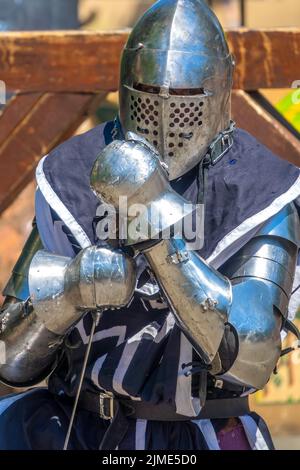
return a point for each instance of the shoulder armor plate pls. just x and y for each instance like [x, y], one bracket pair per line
[285, 225]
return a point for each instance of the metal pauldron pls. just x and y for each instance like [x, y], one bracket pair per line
[262, 275]
[61, 291]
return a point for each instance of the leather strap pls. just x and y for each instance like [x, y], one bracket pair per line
[121, 411]
[105, 406]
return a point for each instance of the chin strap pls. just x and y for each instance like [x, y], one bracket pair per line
[217, 149]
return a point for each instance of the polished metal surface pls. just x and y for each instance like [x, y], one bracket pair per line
[266, 248]
[271, 256]
[176, 77]
[262, 275]
[96, 278]
[284, 225]
[198, 295]
[30, 349]
[258, 326]
[131, 169]
[17, 285]
[62, 290]
[265, 269]
[255, 299]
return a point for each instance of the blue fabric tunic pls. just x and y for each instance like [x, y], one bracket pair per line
[139, 352]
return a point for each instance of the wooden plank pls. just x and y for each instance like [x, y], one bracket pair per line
[15, 111]
[265, 58]
[89, 61]
[60, 61]
[49, 122]
[254, 119]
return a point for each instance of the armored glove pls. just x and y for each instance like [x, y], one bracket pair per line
[61, 291]
[198, 296]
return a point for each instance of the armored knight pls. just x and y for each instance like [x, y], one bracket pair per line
[178, 337]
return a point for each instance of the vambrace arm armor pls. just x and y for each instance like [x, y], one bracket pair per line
[251, 295]
[54, 294]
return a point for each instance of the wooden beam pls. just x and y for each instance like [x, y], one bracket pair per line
[60, 61]
[254, 119]
[49, 121]
[265, 58]
[88, 61]
[15, 111]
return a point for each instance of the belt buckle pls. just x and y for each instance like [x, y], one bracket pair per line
[106, 406]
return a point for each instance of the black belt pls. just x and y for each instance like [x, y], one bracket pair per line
[104, 405]
[119, 410]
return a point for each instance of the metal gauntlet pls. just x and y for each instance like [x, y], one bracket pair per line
[61, 291]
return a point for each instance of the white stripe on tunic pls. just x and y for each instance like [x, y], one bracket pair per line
[140, 434]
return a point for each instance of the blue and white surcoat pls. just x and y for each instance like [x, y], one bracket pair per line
[139, 352]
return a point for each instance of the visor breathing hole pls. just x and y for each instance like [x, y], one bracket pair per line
[142, 131]
[144, 112]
